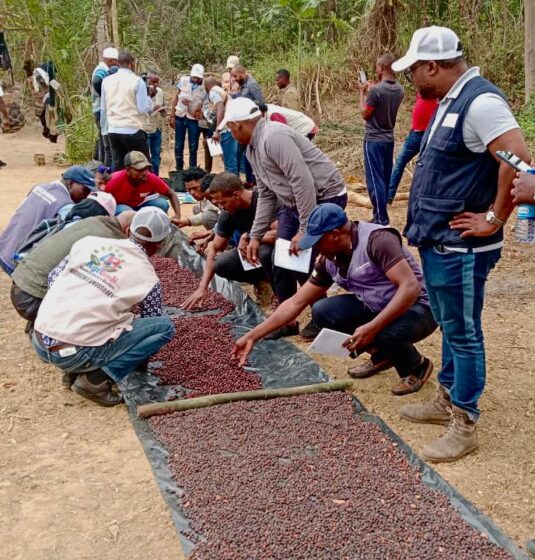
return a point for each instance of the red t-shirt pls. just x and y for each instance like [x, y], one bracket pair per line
[134, 194]
[422, 112]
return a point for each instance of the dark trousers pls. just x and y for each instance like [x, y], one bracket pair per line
[102, 145]
[395, 342]
[184, 125]
[287, 226]
[155, 147]
[378, 158]
[208, 160]
[411, 148]
[228, 265]
[24, 303]
[244, 165]
[122, 144]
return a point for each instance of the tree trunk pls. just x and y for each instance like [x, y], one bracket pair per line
[529, 48]
[102, 31]
[112, 6]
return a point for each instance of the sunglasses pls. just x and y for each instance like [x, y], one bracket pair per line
[410, 71]
[103, 169]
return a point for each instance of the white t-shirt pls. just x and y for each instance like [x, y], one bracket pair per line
[298, 121]
[479, 128]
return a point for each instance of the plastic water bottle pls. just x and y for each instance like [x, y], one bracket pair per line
[525, 223]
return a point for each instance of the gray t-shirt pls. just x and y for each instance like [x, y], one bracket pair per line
[385, 97]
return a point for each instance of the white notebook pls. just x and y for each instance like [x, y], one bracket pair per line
[330, 342]
[299, 263]
[214, 148]
[246, 264]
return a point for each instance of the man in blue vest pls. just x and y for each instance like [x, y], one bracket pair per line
[459, 202]
[386, 310]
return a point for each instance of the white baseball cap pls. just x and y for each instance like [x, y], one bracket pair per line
[232, 61]
[110, 52]
[155, 220]
[239, 109]
[197, 71]
[430, 43]
[106, 200]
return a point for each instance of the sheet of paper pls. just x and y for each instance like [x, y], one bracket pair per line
[215, 148]
[299, 263]
[330, 342]
[247, 265]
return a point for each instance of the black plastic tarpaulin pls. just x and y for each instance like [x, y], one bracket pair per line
[280, 364]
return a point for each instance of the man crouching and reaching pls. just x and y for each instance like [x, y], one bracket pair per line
[386, 310]
[86, 326]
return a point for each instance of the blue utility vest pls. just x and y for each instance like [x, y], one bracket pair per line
[449, 178]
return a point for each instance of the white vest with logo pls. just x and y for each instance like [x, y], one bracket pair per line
[90, 302]
[121, 104]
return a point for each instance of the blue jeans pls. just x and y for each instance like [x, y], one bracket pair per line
[155, 148]
[285, 281]
[191, 126]
[119, 357]
[230, 149]
[161, 202]
[378, 158]
[243, 163]
[410, 148]
[395, 342]
[456, 286]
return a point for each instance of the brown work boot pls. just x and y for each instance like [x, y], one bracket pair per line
[458, 441]
[100, 392]
[430, 412]
[368, 368]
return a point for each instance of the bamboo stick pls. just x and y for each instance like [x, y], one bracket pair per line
[152, 409]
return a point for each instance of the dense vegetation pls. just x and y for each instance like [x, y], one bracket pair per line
[328, 40]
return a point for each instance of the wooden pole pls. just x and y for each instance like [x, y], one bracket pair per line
[529, 47]
[114, 23]
[153, 409]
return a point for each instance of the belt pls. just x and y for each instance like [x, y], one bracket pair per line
[445, 249]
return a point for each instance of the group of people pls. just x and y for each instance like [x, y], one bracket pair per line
[81, 285]
[130, 112]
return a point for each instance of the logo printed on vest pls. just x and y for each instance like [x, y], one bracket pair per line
[103, 263]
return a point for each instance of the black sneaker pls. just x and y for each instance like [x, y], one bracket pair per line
[287, 330]
[100, 393]
[310, 331]
[67, 379]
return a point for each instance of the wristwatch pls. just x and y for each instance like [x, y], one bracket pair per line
[492, 219]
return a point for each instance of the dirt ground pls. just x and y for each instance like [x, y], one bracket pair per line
[75, 483]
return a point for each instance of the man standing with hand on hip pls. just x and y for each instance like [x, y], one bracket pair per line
[459, 202]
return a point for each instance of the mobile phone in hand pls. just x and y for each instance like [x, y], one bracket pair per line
[362, 77]
[514, 161]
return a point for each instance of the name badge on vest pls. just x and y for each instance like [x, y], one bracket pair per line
[450, 120]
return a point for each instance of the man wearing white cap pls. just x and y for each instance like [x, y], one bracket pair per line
[182, 121]
[290, 169]
[101, 71]
[460, 200]
[127, 103]
[86, 325]
[228, 84]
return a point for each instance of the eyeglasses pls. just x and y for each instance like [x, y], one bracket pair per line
[410, 71]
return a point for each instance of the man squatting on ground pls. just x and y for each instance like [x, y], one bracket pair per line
[44, 202]
[288, 168]
[85, 324]
[386, 310]
[136, 187]
[456, 181]
[30, 278]
[238, 208]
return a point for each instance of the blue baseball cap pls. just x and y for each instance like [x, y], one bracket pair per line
[323, 219]
[80, 175]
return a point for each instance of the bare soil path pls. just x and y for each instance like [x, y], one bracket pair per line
[74, 480]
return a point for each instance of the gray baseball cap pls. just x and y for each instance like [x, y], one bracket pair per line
[155, 220]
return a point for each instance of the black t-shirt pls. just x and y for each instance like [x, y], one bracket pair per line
[241, 221]
[385, 97]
